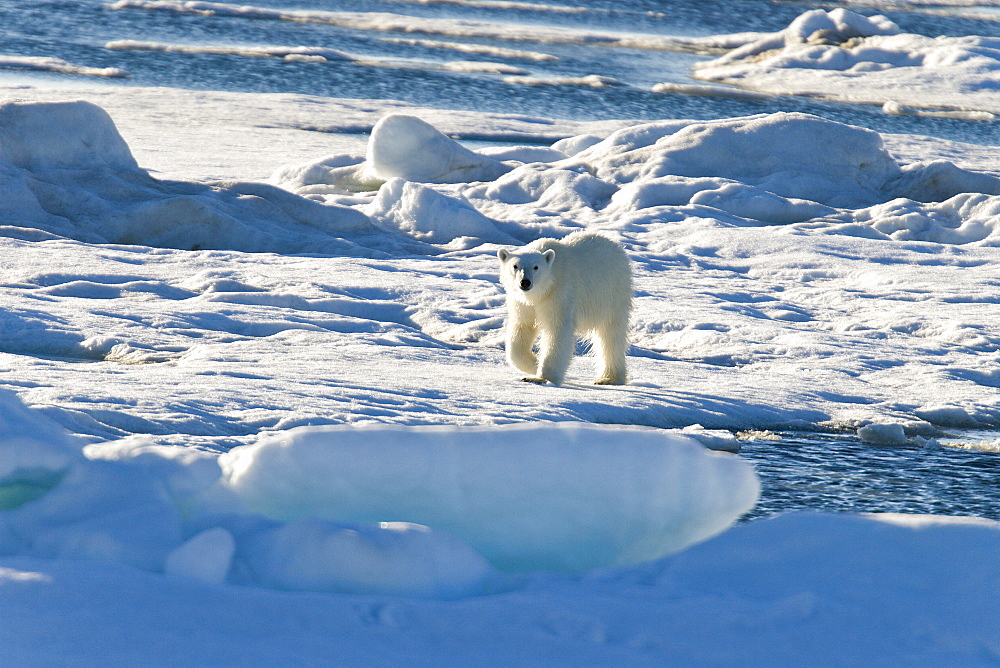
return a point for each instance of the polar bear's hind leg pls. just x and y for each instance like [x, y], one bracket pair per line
[611, 344]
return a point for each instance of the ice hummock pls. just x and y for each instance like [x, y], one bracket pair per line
[431, 188]
[560, 496]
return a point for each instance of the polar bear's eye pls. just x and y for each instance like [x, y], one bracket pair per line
[536, 267]
[516, 267]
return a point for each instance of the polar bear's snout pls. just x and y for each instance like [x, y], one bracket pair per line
[525, 284]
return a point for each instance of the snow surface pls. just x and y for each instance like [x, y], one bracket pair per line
[153, 320]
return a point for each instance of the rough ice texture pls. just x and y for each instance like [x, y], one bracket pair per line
[547, 496]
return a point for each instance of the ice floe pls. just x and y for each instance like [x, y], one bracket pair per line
[670, 190]
[546, 496]
[789, 272]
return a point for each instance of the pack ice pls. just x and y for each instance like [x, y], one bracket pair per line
[411, 509]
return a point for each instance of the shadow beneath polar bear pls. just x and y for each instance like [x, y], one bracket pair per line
[650, 405]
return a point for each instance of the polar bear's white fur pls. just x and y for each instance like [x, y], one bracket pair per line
[558, 289]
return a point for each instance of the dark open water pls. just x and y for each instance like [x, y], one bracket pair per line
[78, 30]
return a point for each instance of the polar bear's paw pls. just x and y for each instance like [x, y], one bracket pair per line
[608, 380]
[537, 380]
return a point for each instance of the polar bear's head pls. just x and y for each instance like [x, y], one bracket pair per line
[526, 274]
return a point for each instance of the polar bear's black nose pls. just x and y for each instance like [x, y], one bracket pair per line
[525, 284]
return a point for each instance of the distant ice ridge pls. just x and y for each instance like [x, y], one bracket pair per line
[846, 56]
[313, 54]
[426, 511]
[483, 49]
[248, 51]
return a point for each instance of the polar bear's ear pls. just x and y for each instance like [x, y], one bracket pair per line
[549, 255]
[502, 254]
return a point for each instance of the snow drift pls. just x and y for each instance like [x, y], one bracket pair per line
[77, 179]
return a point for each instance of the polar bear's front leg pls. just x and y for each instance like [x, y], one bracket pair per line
[558, 346]
[521, 338]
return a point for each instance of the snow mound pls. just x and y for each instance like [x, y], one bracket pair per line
[409, 148]
[786, 171]
[786, 154]
[75, 135]
[400, 146]
[152, 508]
[66, 172]
[425, 214]
[550, 496]
[427, 512]
[550, 187]
[726, 195]
[962, 219]
[768, 169]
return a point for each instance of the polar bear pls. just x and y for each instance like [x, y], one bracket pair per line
[558, 289]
